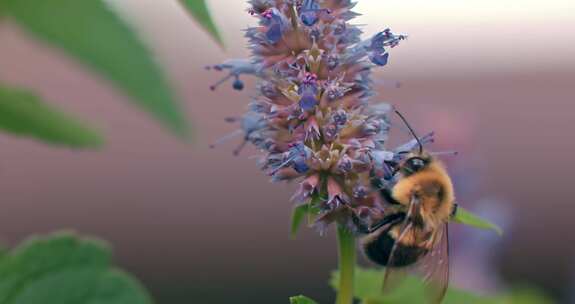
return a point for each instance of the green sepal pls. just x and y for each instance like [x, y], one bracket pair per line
[301, 212]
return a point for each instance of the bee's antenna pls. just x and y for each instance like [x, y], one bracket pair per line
[410, 130]
[450, 153]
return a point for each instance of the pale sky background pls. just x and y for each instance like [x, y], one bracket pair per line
[501, 35]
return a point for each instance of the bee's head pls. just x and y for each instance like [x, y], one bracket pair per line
[415, 162]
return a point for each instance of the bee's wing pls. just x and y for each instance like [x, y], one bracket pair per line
[434, 266]
[393, 276]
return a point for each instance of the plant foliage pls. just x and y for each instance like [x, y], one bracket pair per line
[24, 114]
[65, 269]
[92, 33]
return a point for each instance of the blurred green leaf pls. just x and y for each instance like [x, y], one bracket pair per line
[368, 288]
[525, 295]
[65, 269]
[91, 32]
[465, 217]
[299, 214]
[301, 300]
[24, 114]
[367, 284]
[200, 12]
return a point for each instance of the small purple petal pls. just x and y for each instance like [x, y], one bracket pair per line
[309, 12]
[332, 61]
[309, 18]
[340, 117]
[359, 191]
[379, 59]
[308, 92]
[274, 33]
[300, 166]
[308, 102]
[339, 28]
[344, 165]
[330, 132]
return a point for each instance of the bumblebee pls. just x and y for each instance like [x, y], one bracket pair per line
[413, 233]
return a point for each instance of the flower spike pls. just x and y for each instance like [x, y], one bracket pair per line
[311, 117]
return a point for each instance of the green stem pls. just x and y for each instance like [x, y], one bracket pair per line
[346, 247]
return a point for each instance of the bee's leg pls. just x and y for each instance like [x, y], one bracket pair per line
[454, 210]
[363, 228]
[383, 191]
[391, 219]
[386, 194]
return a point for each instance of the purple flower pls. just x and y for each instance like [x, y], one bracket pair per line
[379, 58]
[308, 92]
[309, 12]
[339, 118]
[376, 51]
[274, 22]
[311, 117]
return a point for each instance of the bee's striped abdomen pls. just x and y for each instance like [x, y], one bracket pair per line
[378, 249]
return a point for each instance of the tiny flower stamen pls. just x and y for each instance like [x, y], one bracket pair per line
[236, 68]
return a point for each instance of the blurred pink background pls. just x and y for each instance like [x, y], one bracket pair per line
[495, 79]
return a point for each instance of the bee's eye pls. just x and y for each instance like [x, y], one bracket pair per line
[416, 164]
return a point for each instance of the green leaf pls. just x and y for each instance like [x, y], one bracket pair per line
[368, 288]
[465, 217]
[301, 300]
[24, 114]
[200, 12]
[65, 269]
[525, 295]
[92, 33]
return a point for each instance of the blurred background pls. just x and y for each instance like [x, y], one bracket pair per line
[494, 78]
